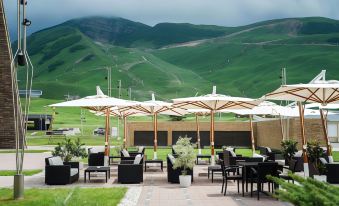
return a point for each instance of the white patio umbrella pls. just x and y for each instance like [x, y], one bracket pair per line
[215, 102]
[264, 108]
[98, 102]
[323, 92]
[154, 107]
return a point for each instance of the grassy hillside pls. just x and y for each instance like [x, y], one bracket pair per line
[177, 60]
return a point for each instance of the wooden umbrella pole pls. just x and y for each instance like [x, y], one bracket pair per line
[282, 128]
[323, 120]
[155, 134]
[212, 133]
[252, 134]
[125, 131]
[107, 132]
[302, 129]
[198, 131]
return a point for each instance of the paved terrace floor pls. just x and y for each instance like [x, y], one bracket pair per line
[155, 190]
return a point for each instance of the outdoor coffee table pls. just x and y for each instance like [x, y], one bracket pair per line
[90, 169]
[154, 161]
[200, 156]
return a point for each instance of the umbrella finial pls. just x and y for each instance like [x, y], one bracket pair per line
[214, 90]
[99, 92]
[153, 97]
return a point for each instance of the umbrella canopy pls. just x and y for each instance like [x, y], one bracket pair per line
[264, 108]
[215, 102]
[323, 92]
[99, 102]
[154, 107]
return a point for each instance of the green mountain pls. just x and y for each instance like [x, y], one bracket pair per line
[177, 60]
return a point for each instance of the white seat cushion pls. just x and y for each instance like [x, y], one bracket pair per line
[171, 158]
[97, 149]
[137, 159]
[230, 149]
[74, 171]
[125, 153]
[55, 161]
[258, 155]
[330, 159]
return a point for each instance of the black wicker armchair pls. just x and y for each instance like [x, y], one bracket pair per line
[173, 174]
[131, 172]
[95, 158]
[60, 173]
[331, 171]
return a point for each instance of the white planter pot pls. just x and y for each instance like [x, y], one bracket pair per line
[321, 178]
[185, 180]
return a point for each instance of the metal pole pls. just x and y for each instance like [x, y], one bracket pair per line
[323, 120]
[212, 137]
[107, 136]
[198, 132]
[252, 134]
[125, 131]
[303, 138]
[155, 121]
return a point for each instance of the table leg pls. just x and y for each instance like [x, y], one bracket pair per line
[89, 176]
[85, 175]
[106, 176]
[212, 175]
[145, 166]
[161, 166]
[208, 173]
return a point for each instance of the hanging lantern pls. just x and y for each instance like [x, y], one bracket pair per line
[21, 58]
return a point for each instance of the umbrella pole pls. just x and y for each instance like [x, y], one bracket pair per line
[212, 137]
[282, 128]
[106, 137]
[323, 120]
[155, 121]
[125, 131]
[198, 132]
[303, 139]
[252, 134]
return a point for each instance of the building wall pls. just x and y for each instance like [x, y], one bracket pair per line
[7, 133]
[266, 133]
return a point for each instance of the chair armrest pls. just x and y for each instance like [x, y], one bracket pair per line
[133, 154]
[253, 171]
[127, 158]
[72, 164]
[239, 155]
[59, 169]
[124, 162]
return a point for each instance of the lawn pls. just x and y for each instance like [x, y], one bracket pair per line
[74, 196]
[336, 156]
[25, 172]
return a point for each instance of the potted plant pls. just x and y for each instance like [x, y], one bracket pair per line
[289, 148]
[314, 152]
[185, 159]
[69, 150]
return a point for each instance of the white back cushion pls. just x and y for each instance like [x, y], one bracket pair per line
[140, 149]
[137, 159]
[171, 158]
[330, 159]
[322, 160]
[268, 149]
[97, 149]
[258, 155]
[230, 149]
[298, 154]
[233, 154]
[125, 153]
[55, 161]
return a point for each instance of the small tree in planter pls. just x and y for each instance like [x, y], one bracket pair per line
[68, 150]
[185, 160]
[314, 152]
[289, 148]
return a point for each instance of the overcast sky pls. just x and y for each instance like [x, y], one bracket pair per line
[45, 13]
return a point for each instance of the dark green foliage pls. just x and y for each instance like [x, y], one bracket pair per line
[319, 28]
[55, 65]
[76, 48]
[69, 149]
[314, 152]
[289, 148]
[59, 45]
[334, 40]
[310, 192]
